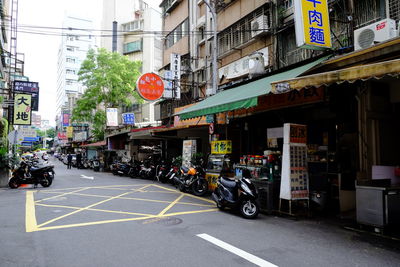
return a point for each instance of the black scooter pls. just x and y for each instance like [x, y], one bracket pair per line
[237, 194]
[27, 174]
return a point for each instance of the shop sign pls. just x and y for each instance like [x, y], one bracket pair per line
[219, 119]
[294, 178]
[62, 136]
[70, 132]
[128, 118]
[31, 88]
[311, 19]
[112, 116]
[289, 99]
[295, 133]
[189, 149]
[65, 119]
[150, 86]
[240, 67]
[210, 118]
[172, 88]
[80, 136]
[221, 147]
[22, 109]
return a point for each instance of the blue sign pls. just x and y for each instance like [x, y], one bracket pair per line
[128, 118]
[30, 139]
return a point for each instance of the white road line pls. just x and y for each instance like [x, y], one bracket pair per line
[241, 253]
[87, 177]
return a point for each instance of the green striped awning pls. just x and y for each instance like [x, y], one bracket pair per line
[242, 96]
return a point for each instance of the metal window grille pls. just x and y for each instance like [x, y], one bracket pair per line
[240, 32]
[394, 9]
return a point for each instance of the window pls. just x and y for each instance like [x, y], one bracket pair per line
[133, 26]
[240, 32]
[69, 71]
[70, 60]
[133, 47]
[70, 48]
[69, 82]
[178, 33]
[287, 4]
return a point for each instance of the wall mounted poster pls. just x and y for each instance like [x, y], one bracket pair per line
[294, 180]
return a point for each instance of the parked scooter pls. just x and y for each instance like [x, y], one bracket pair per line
[162, 170]
[134, 169]
[147, 169]
[27, 174]
[192, 180]
[96, 165]
[237, 194]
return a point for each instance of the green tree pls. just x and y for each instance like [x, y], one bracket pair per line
[110, 80]
[50, 133]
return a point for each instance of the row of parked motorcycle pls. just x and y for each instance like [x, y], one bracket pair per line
[186, 179]
[239, 194]
[32, 170]
[85, 163]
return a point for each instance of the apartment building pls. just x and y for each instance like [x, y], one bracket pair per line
[138, 37]
[77, 39]
[177, 36]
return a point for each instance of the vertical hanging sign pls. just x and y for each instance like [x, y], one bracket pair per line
[312, 24]
[22, 109]
[176, 75]
[112, 116]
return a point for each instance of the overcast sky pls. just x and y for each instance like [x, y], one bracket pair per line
[41, 50]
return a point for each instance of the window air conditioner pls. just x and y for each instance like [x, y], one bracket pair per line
[259, 26]
[374, 33]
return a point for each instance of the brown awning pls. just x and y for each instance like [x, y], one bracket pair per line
[100, 143]
[362, 72]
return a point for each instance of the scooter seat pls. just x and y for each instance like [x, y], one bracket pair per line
[227, 182]
[185, 169]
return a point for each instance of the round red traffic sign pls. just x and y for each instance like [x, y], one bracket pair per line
[150, 86]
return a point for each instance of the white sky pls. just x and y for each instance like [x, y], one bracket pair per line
[41, 51]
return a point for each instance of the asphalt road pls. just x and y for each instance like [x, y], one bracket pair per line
[97, 219]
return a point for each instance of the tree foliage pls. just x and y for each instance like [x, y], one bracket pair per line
[110, 80]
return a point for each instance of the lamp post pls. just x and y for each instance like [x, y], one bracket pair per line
[214, 53]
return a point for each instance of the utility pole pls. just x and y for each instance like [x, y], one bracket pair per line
[214, 55]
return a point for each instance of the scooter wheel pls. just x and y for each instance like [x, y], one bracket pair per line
[13, 183]
[249, 209]
[46, 182]
[200, 187]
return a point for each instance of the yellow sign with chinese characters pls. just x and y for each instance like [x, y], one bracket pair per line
[312, 24]
[22, 109]
[221, 147]
[70, 132]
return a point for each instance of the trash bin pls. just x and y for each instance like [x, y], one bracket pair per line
[319, 199]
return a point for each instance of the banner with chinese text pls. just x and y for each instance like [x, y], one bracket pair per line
[22, 109]
[312, 24]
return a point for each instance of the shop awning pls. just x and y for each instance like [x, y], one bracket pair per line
[242, 96]
[362, 72]
[101, 143]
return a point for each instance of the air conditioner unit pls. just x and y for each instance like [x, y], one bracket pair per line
[374, 33]
[259, 26]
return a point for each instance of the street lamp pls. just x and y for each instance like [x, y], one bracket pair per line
[214, 53]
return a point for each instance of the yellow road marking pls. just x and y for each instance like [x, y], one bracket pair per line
[140, 199]
[31, 223]
[109, 211]
[93, 223]
[64, 194]
[99, 187]
[171, 205]
[121, 220]
[30, 214]
[188, 212]
[87, 207]
[188, 195]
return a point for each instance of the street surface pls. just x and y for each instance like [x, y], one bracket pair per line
[88, 218]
